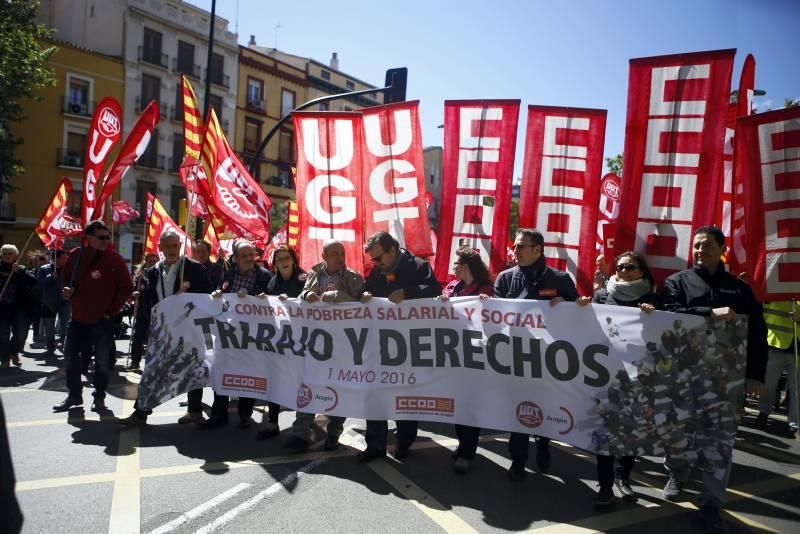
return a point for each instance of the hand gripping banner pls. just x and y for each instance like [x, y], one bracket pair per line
[674, 135]
[606, 379]
[104, 133]
[561, 186]
[480, 139]
[768, 157]
[329, 186]
[394, 176]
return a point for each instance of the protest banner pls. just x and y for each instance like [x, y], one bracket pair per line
[607, 379]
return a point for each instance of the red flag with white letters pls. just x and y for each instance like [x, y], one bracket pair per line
[560, 186]
[56, 224]
[480, 139]
[394, 176]
[122, 212]
[329, 186]
[103, 135]
[768, 154]
[608, 211]
[674, 135]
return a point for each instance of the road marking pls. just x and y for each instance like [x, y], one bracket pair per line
[200, 510]
[75, 420]
[63, 482]
[752, 523]
[258, 497]
[126, 501]
[24, 390]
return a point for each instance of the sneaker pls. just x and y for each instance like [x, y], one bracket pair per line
[673, 489]
[711, 520]
[624, 488]
[761, 420]
[603, 498]
[68, 403]
[367, 455]
[331, 443]
[190, 417]
[461, 466]
[270, 431]
[516, 472]
[133, 420]
[543, 456]
[401, 452]
[297, 444]
[15, 360]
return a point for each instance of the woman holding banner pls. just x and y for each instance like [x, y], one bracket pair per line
[633, 285]
[472, 279]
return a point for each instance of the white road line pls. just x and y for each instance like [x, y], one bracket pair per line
[258, 497]
[126, 503]
[200, 510]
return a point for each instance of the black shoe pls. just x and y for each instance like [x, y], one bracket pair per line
[367, 455]
[68, 403]
[543, 456]
[246, 422]
[673, 489]
[624, 488]
[711, 520]
[401, 451]
[211, 422]
[603, 498]
[297, 444]
[331, 443]
[516, 472]
[135, 419]
[134, 366]
[268, 433]
[99, 405]
[761, 420]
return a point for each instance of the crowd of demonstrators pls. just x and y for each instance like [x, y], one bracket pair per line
[202, 253]
[19, 287]
[782, 337]
[472, 278]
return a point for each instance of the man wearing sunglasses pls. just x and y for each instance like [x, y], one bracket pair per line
[531, 278]
[97, 283]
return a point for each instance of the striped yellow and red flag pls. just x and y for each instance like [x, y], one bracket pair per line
[192, 121]
[293, 225]
[160, 222]
[56, 224]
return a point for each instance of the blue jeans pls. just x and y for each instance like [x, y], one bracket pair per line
[713, 488]
[778, 361]
[64, 314]
[80, 339]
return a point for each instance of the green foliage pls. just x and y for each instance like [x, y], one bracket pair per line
[277, 216]
[22, 72]
[615, 164]
[791, 102]
[514, 217]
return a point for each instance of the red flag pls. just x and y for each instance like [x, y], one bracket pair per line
[279, 239]
[563, 162]
[194, 180]
[104, 133]
[55, 224]
[210, 237]
[673, 154]
[133, 147]
[329, 192]
[148, 209]
[160, 222]
[768, 154]
[122, 212]
[394, 175]
[608, 211]
[478, 163]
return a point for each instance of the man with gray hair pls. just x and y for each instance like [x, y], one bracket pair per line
[331, 282]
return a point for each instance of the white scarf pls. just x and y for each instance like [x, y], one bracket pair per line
[619, 290]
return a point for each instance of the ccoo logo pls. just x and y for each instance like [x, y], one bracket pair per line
[529, 414]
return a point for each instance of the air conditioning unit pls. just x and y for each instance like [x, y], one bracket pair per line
[75, 108]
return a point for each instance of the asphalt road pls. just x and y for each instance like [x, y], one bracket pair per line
[78, 473]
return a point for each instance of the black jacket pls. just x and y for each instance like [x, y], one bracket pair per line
[263, 277]
[601, 295]
[546, 284]
[292, 287]
[193, 272]
[413, 275]
[695, 291]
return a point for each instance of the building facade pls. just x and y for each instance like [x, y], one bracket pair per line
[54, 136]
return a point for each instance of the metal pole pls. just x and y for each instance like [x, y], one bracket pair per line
[796, 377]
[208, 61]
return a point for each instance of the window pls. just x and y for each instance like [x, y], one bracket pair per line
[78, 96]
[178, 116]
[350, 85]
[286, 147]
[74, 203]
[75, 151]
[252, 135]
[347, 108]
[177, 152]
[324, 106]
[150, 156]
[142, 188]
[217, 67]
[177, 197]
[255, 91]
[186, 59]
[287, 102]
[151, 90]
[216, 103]
[151, 47]
[325, 75]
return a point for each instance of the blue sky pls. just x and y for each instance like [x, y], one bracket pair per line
[563, 53]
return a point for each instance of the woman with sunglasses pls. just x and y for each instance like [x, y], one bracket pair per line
[472, 279]
[287, 282]
[633, 285]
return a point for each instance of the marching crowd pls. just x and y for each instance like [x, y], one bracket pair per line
[74, 300]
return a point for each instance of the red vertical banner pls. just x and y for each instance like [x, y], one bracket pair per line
[104, 133]
[608, 211]
[480, 139]
[674, 135]
[329, 192]
[561, 186]
[768, 154]
[394, 174]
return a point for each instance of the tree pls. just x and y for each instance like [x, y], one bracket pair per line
[791, 102]
[23, 71]
[614, 164]
[514, 217]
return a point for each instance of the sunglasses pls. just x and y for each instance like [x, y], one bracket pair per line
[102, 237]
[628, 267]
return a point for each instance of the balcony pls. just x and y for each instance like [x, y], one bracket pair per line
[151, 160]
[175, 164]
[186, 67]
[223, 80]
[67, 157]
[79, 109]
[141, 104]
[255, 105]
[152, 57]
[8, 210]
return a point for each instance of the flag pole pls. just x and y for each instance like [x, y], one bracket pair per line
[189, 204]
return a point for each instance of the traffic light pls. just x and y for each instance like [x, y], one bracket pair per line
[396, 78]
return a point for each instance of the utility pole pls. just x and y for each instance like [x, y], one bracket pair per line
[198, 226]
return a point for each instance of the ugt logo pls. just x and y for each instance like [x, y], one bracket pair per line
[529, 414]
[304, 396]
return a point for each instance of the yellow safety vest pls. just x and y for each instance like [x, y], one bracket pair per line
[780, 330]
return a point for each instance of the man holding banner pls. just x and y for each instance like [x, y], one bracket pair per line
[531, 278]
[397, 275]
[707, 289]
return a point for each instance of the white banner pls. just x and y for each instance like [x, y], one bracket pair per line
[602, 378]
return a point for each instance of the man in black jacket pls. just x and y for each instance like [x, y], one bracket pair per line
[397, 275]
[173, 275]
[531, 278]
[708, 290]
